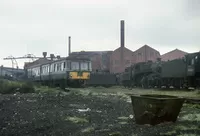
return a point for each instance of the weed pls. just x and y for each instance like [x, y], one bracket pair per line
[76, 120]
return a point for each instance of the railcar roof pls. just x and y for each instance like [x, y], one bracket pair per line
[61, 59]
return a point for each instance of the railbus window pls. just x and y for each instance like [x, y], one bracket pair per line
[74, 65]
[68, 65]
[84, 66]
[64, 65]
[54, 68]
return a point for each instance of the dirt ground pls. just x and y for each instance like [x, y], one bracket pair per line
[73, 114]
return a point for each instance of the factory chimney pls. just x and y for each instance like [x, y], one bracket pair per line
[44, 54]
[122, 33]
[69, 50]
[122, 42]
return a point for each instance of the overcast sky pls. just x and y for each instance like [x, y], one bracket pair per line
[34, 26]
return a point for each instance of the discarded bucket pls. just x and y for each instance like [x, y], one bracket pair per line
[156, 109]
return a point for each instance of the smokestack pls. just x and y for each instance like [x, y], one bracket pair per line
[52, 56]
[122, 33]
[44, 54]
[69, 50]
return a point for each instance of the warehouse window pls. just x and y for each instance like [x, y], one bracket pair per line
[127, 61]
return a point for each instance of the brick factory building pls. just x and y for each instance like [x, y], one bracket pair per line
[145, 53]
[116, 61]
[120, 59]
[100, 59]
[174, 54]
[123, 57]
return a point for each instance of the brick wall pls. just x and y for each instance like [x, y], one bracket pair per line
[145, 54]
[117, 63]
[96, 62]
[175, 54]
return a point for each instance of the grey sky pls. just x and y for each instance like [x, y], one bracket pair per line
[35, 26]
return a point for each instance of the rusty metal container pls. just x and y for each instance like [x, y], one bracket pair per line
[156, 109]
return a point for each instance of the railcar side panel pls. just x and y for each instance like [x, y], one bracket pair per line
[102, 79]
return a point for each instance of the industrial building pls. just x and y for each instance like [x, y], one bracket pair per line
[174, 54]
[100, 59]
[11, 72]
[116, 61]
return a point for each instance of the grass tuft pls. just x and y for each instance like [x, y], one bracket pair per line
[76, 120]
[9, 87]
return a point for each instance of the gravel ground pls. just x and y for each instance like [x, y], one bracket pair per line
[84, 115]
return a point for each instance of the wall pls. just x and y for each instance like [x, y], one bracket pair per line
[145, 54]
[118, 66]
[175, 54]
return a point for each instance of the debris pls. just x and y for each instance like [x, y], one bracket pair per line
[84, 110]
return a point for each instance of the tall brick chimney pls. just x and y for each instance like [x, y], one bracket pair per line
[122, 42]
[122, 33]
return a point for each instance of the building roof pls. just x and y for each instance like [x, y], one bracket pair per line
[89, 52]
[175, 50]
[44, 61]
[122, 47]
[11, 69]
[147, 47]
[37, 62]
